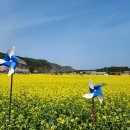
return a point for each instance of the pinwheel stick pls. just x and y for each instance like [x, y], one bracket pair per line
[10, 97]
[93, 122]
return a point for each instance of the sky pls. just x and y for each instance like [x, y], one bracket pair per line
[84, 34]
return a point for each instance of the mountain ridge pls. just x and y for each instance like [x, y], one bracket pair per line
[41, 66]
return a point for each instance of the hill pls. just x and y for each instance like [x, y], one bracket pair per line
[41, 66]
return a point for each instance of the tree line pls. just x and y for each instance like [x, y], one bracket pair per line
[114, 69]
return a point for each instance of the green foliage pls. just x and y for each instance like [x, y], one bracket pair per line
[33, 113]
[39, 65]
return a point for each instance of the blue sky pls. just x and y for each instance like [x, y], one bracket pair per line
[85, 34]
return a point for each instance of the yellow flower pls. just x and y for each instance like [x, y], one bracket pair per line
[51, 95]
[53, 127]
[42, 122]
[76, 118]
[90, 124]
[124, 114]
[117, 117]
[7, 120]
[62, 121]
[104, 117]
[1, 102]
[72, 120]
[99, 118]
[21, 116]
[62, 105]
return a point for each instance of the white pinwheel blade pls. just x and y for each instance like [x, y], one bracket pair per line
[11, 71]
[89, 95]
[21, 62]
[11, 52]
[2, 61]
[91, 84]
[100, 97]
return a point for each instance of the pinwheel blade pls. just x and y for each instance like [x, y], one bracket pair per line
[12, 68]
[91, 87]
[97, 92]
[18, 60]
[90, 95]
[97, 86]
[11, 52]
[100, 97]
[22, 62]
[11, 71]
[91, 84]
[2, 61]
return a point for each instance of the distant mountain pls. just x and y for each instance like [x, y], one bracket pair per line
[40, 66]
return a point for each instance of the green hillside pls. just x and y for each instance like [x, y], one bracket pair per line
[41, 66]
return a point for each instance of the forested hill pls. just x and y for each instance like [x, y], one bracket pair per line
[114, 69]
[41, 66]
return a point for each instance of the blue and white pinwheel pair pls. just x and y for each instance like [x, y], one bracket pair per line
[95, 91]
[11, 61]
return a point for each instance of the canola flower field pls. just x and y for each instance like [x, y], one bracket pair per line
[55, 102]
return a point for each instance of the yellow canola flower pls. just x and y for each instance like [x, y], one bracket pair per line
[72, 120]
[42, 122]
[62, 121]
[1, 102]
[63, 86]
[104, 117]
[90, 124]
[61, 96]
[117, 117]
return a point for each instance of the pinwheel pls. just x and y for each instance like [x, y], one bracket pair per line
[95, 91]
[11, 61]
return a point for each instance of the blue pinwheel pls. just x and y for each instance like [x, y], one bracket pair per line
[95, 91]
[11, 61]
